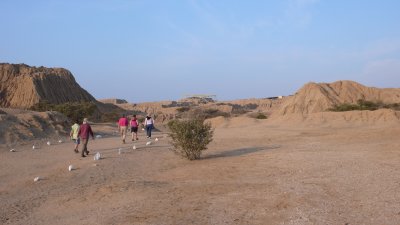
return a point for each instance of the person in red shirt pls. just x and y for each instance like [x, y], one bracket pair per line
[85, 132]
[122, 127]
[134, 128]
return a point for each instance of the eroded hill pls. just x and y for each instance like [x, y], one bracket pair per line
[319, 97]
[22, 86]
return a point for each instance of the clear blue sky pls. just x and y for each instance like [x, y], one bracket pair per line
[144, 50]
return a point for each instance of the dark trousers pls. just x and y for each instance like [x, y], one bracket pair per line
[148, 129]
[84, 146]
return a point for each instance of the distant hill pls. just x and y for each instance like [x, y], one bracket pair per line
[319, 97]
[22, 86]
[113, 101]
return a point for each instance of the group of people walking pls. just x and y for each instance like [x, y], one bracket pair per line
[134, 126]
[82, 133]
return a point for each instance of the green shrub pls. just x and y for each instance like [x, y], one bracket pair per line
[261, 116]
[368, 105]
[345, 107]
[190, 137]
[258, 115]
[394, 106]
[212, 113]
[202, 113]
[72, 110]
[364, 105]
[183, 109]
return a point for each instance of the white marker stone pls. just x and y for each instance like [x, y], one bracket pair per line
[97, 156]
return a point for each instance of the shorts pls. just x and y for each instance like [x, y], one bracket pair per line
[134, 129]
[77, 141]
[123, 129]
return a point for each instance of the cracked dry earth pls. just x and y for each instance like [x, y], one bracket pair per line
[256, 174]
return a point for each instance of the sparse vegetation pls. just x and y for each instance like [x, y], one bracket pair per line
[110, 116]
[202, 113]
[364, 105]
[190, 137]
[72, 110]
[258, 115]
[183, 109]
[261, 116]
[212, 113]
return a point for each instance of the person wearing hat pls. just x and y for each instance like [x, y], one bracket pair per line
[85, 132]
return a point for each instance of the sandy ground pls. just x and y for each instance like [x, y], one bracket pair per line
[255, 174]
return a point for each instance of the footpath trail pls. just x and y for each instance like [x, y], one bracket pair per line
[255, 174]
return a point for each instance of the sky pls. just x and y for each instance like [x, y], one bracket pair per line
[152, 50]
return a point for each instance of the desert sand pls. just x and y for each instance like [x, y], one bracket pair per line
[254, 172]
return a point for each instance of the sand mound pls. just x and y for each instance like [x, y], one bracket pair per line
[381, 117]
[164, 111]
[20, 126]
[319, 97]
[22, 86]
[231, 122]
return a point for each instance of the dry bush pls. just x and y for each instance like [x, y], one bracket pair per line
[259, 115]
[183, 109]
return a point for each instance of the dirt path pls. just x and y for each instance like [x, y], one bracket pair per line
[250, 175]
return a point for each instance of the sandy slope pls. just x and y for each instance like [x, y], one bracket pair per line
[20, 126]
[253, 173]
[319, 97]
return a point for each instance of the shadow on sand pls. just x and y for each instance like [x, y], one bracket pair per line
[240, 152]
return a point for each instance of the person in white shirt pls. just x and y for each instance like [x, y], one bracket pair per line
[149, 125]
